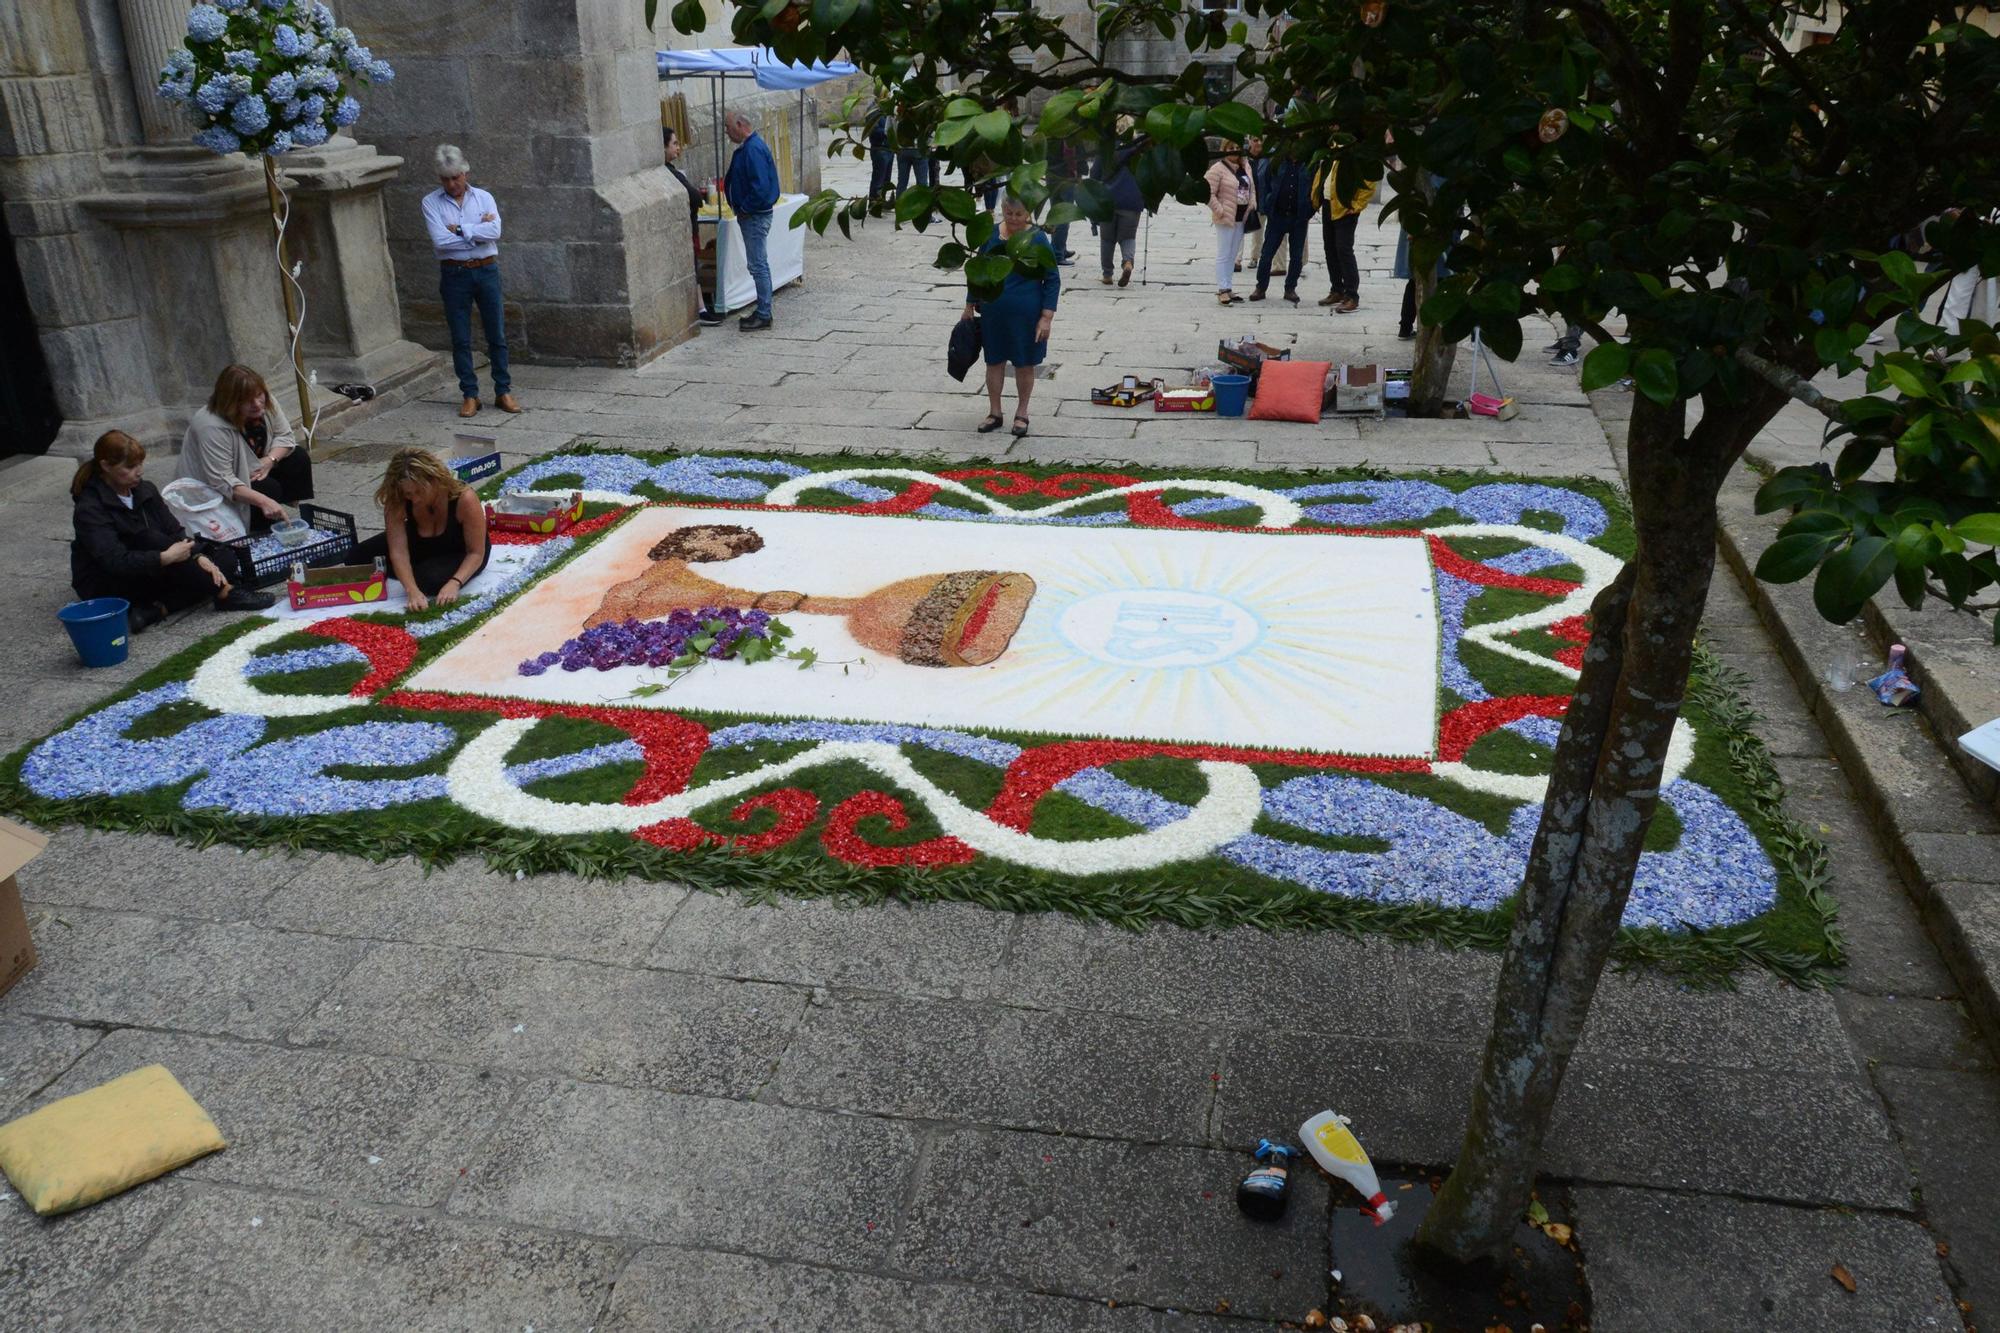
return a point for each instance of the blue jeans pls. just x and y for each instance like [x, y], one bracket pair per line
[756, 229]
[460, 289]
[1278, 231]
[908, 163]
[880, 160]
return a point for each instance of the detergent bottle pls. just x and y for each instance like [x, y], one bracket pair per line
[1262, 1193]
[1340, 1154]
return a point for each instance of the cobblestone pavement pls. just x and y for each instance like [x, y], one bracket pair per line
[465, 1101]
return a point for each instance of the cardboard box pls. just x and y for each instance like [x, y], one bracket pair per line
[547, 523]
[338, 585]
[18, 846]
[474, 457]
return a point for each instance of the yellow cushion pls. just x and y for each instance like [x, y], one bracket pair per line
[75, 1152]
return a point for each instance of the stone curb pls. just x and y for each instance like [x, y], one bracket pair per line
[1943, 839]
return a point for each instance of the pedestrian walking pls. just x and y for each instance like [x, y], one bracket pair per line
[464, 225]
[751, 183]
[1231, 196]
[1015, 325]
[1121, 233]
[1340, 200]
[697, 196]
[1288, 216]
[880, 157]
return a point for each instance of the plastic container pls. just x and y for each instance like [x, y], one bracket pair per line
[291, 533]
[99, 628]
[1232, 394]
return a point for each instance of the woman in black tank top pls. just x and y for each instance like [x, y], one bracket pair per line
[434, 540]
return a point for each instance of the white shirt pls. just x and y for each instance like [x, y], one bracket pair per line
[474, 239]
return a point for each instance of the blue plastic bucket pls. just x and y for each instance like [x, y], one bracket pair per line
[98, 629]
[1232, 392]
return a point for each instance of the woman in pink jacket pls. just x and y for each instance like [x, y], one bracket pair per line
[1231, 195]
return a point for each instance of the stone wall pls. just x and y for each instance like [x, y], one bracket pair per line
[147, 262]
[556, 104]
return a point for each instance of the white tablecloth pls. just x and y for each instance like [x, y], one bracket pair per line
[786, 251]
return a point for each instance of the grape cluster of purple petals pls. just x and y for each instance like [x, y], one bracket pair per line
[653, 643]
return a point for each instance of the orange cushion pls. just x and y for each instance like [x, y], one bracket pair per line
[1290, 390]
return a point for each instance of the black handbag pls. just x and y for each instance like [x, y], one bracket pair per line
[967, 341]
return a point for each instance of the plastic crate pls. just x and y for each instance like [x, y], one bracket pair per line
[258, 561]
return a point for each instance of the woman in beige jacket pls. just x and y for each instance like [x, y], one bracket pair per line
[1231, 195]
[241, 446]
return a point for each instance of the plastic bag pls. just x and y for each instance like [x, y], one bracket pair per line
[202, 511]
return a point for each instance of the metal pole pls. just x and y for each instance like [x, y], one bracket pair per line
[1145, 246]
[279, 213]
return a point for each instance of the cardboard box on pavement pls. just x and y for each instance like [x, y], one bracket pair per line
[18, 846]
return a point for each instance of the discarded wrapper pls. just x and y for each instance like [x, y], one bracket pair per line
[1339, 1153]
[1262, 1194]
[1894, 686]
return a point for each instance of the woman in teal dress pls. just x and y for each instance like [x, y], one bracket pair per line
[1014, 326]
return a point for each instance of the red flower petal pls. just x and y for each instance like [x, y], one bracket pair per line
[389, 649]
[842, 840]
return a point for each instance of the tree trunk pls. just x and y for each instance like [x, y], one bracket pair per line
[1603, 790]
[1430, 370]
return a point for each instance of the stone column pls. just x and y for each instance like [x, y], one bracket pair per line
[152, 29]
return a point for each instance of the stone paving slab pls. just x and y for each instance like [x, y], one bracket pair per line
[1129, 1222]
[34, 1052]
[1949, 1122]
[561, 916]
[627, 1026]
[1664, 1262]
[908, 949]
[353, 1127]
[52, 1268]
[240, 1260]
[236, 980]
[123, 872]
[1071, 1073]
[666, 1290]
[696, 1171]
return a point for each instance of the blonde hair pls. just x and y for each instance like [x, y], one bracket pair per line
[114, 448]
[235, 389]
[419, 466]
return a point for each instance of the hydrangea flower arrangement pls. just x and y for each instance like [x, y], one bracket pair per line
[263, 77]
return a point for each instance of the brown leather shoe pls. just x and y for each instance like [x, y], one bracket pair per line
[505, 402]
[469, 408]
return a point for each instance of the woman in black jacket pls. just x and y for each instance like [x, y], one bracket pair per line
[697, 196]
[128, 543]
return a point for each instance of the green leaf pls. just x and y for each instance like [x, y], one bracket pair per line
[805, 657]
[988, 270]
[652, 13]
[1563, 278]
[992, 127]
[1831, 347]
[1789, 559]
[1537, 1214]
[1234, 119]
[958, 205]
[1980, 529]
[1851, 577]
[914, 203]
[1654, 374]
[1606, 364]
[1817, 521]
[1905, 380]
[951, 256]
[832, 15]
[1059, 116]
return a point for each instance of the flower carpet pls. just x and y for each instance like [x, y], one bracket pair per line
[1291, 700]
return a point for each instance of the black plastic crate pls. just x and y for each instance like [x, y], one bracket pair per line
[243, 564]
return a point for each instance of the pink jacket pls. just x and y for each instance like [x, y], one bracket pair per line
[1222, 192]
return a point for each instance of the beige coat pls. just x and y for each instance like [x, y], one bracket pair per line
[218, 455]
[1223, 193]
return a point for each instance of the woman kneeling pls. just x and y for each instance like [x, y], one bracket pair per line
[128, 544]
[433, 529]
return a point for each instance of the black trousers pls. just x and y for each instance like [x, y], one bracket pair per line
[1343, 273]
[432, 569]
[290, 479]
[172, 586]
[1409, 324]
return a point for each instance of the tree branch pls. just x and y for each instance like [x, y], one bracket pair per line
[1791, 383]
[1786, 60]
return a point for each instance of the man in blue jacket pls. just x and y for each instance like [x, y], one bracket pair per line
[751, 183]
[1284, 196]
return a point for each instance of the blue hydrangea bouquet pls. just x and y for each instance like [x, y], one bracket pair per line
[263, 77]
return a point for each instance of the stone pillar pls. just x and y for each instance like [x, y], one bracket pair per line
[556, 104]
[152, 29]
[149, 268]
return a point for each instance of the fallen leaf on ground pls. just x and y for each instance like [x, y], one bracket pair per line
[1537, 1214]
[1315, 1319]
[1843, 1277]
[1557, 1231]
